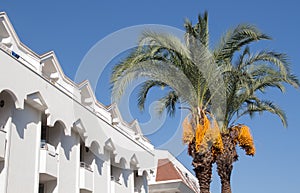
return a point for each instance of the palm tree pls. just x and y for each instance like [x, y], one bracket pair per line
[244, 77]
[168, 63]
[216, 91]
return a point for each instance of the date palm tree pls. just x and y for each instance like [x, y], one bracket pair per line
[215, 90]
[168, 62]
[246, 75]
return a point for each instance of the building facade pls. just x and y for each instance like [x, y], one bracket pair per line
[170, 176]
[55, 137]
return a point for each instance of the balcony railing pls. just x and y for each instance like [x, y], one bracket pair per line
[2, 144]
[48, 162]
[112, 184]
[44, 144]
[115, 180]
[86, 166]
[136, 190]
[86, 177]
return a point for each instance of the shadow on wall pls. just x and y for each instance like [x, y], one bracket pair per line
[67, 143]
[99, 158]
[56, 136]
[118, 171]
[22, 119]
[7, 106]
[1, 166]
[140, 182]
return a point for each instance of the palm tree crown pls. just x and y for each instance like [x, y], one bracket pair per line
[218, 86]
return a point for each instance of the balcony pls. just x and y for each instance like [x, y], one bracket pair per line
[112, 184]
[86, 177]
[2, 144]
[48, 162]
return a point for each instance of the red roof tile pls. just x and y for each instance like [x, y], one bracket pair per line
[166, 170]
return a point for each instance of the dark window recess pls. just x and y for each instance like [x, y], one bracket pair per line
[2, 103]
[44, 133]
[44, 129]
[15, 54]
[41, 188]
[82, 147]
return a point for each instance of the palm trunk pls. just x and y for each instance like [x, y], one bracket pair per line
[225, 162]
[224, 171]
[226, 187]
[204, 173]
[203, 168]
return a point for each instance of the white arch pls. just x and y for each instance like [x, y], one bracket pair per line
[17, 101]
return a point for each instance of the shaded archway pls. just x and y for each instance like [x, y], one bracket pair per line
[141, 181]
[7, 106]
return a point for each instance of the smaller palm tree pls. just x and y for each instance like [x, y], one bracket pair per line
[246, 78]
[249, 75]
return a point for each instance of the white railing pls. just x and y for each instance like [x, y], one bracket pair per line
[48, 147]
[5, 48]
[48, 162]
[86, 166]
[136, 190]
[115, 180]
[86, 177]
[2, 143]
[112, 184]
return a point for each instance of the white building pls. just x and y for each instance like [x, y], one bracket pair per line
[170, 176]
[55, 137]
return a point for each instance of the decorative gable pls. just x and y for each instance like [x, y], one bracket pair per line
[5, 35]
[50, 67]
[87, 95]
[135, 127]
[115, 114]
[36, 100]
[134, 161]
[11, 44]
[80, 129]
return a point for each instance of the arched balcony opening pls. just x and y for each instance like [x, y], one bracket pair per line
[50, 136]
[49, 154]
[86, 170]
[7, 106]
[140, 182]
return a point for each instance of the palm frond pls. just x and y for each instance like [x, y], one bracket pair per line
[157, 71]
[262, 106]
[273, 58]
[163, 40]
[233, 40]
[142, 95]
[168, 103]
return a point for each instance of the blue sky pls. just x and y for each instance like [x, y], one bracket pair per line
[72, 28]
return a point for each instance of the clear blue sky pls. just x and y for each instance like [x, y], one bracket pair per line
[71, 28]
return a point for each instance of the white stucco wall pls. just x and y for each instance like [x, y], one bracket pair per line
[24, 150]
[6, 113]
[69, 122]
[69, 164]
[30, 95]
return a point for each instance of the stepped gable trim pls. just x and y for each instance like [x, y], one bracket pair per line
[14, 35]
[86, 85]
[52, 55]
[134, 125]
